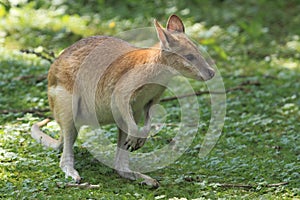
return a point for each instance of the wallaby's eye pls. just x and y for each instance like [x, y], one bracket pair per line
[190, 57]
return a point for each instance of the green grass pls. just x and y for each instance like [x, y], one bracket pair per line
[257, 41]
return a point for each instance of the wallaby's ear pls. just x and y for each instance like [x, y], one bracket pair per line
[163, 36]
[175, 24]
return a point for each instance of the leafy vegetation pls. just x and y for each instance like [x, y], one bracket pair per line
[250, 41]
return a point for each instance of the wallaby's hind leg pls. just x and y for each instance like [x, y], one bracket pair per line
[67, 159]
[122, 164]
[63, 114]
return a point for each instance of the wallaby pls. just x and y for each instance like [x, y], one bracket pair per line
[70, 102]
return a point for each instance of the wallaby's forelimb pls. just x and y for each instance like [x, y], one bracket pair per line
[43, 138]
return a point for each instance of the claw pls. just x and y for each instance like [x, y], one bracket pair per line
[133, 143]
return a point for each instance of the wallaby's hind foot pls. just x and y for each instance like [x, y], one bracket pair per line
[122, 164]
[147, 180]
[67, 166]
[71, 172]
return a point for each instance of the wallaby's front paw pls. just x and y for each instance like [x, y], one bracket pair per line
[133, 143]
[70, 171]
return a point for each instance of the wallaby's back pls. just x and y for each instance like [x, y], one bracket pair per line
[63, 71]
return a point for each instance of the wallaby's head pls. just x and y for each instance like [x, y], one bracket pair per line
[181, 52]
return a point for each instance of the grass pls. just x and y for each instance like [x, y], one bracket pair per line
[257, 41]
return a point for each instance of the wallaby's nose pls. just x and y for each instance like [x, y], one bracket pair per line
[211, 73]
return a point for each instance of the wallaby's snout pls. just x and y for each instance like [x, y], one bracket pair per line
[206, 71]
[209, 73]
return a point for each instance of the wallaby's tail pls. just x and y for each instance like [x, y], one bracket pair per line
[43, 138]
